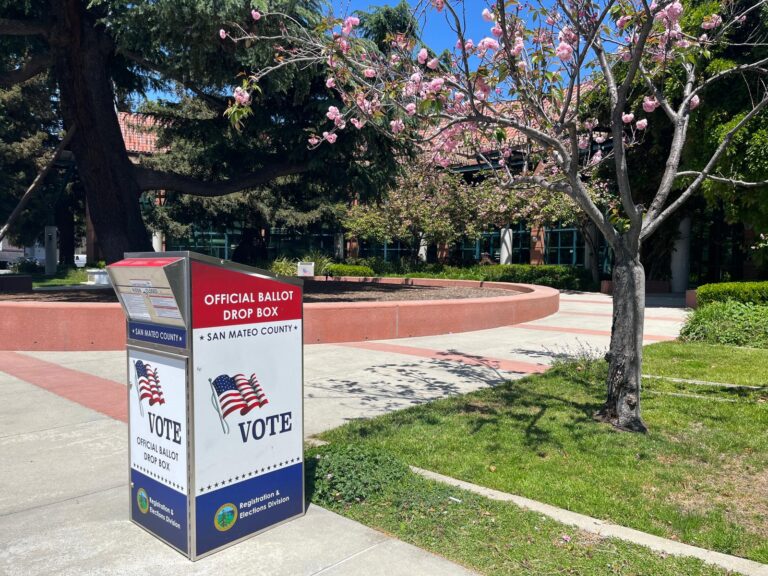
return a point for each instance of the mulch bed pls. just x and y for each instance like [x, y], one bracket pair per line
[314, 291]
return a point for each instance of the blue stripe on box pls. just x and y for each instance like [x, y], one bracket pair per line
[157, 334]
[261, 502]
[166, 517]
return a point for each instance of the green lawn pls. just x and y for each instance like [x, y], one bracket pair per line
[710, 362]
[68, 277]
[499, 538]
[700, 476]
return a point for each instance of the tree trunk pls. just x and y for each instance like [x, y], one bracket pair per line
[65, 222]
[622, 405]
[83, 51]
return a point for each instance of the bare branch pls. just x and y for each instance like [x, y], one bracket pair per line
[30, 69]
[724, 180]
[149, 179]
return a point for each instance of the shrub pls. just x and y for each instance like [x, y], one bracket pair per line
[321, 260]
[352, 473]
[26, 266]
[729, 322]
[556, 276]
[349, 270]
[754, 292]
[283, 267]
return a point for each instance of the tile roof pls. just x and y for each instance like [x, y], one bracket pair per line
[139, 133]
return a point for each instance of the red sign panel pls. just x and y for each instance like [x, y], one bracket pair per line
[227, 298]
[146, 262]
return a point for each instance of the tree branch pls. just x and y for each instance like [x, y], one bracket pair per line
[215, 101]
[34, 66]
[149, 179]
[10, 27]
[39, 179]
[723, 179]
[651, 224]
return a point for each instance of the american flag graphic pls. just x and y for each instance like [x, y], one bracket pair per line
[149, 383]
[238, 393]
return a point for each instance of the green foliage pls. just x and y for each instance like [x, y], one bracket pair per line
[747, 292]
[554, 275]
[322, 261]
[352, 473]
[349, 270]
[283, 267]
[26, 266]
[728, 322]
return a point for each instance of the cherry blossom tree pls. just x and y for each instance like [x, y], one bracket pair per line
[520, 93]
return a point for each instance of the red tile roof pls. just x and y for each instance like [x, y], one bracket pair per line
[139, 133]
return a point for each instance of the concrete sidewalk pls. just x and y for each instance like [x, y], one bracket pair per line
[63, 490]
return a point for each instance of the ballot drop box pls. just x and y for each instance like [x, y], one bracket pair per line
[215, 375]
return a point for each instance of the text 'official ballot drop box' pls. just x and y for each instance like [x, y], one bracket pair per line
[215, 375]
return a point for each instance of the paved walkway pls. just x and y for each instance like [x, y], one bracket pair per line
[63, 452]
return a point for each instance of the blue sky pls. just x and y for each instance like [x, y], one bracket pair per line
[436, 33]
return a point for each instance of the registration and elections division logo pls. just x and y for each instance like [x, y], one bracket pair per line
[225, 517]
[142, 500]
[236, 394]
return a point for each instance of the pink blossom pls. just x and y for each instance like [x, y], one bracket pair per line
[242, 97]
[568, 35]
[416, 78]
[369, 73]
[627, 117]
[625, 55]
[674, 11]
[352, 21]
[600, 139]
[488, 15]
[650, 104]
[433, 64]
[438, 4]
[622, 22]
[436, 84]
[497, 31]
[641, 124]
[522, 65]
[410, 108]
[518, 47]
[711, 22]
[423, 55]
[469, 45]
[313, 141]
[566, 538]
[704, 38]
[222, 34]
[330, 137]
[330, 83]
[358, 123]
[333, 113]
[397, 126]
[596, 157]
[695, 102]
[343, 45]
[256, 15]
[550, 21]
[583, 143]
[564, 51]
[488, 44]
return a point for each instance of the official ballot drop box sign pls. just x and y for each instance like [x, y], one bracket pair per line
[215, 374]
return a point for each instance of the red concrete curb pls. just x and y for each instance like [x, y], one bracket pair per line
[74, 326]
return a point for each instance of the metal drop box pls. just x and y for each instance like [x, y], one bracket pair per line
[215, 397]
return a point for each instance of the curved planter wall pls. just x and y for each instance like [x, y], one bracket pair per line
[72, 326]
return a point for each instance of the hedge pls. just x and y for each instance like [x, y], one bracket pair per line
[348, 270]
[752, 292]
[556, 276]
[728, 322]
